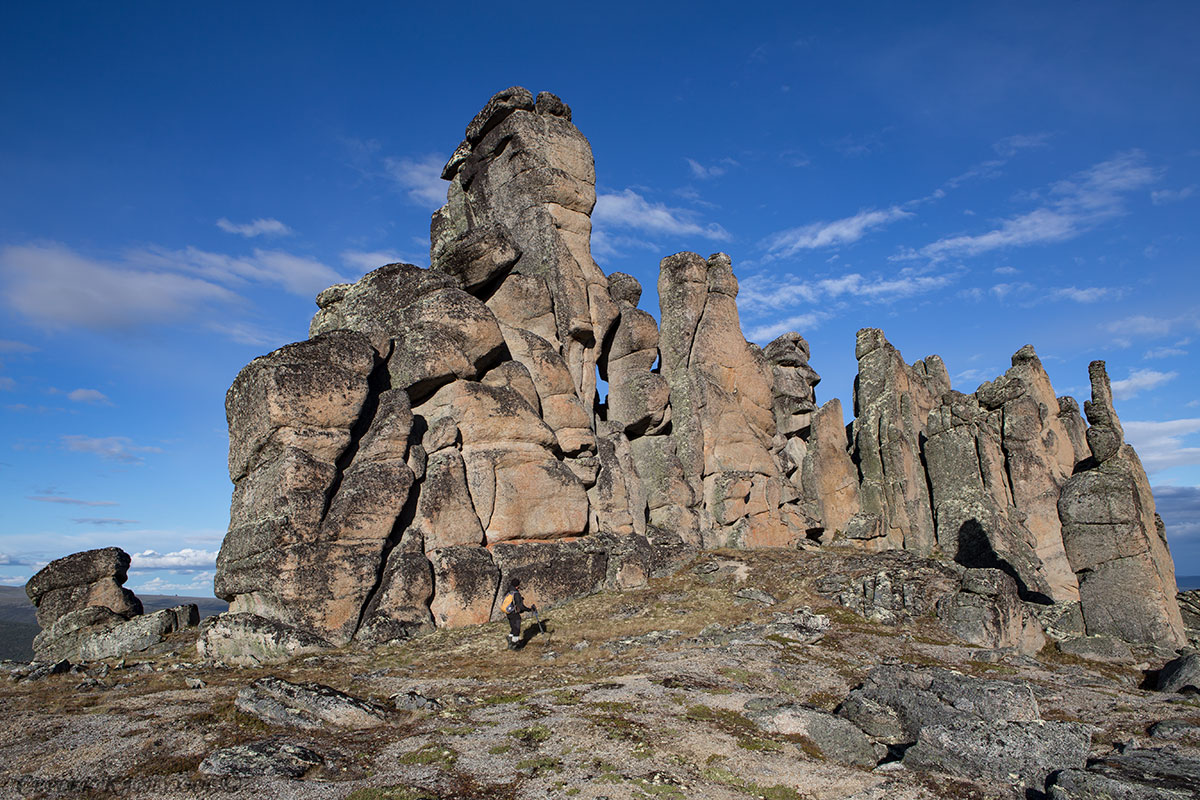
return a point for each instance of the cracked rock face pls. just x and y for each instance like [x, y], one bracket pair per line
[441, 431]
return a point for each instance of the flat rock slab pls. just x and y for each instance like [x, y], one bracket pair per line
[1026, 751]
[838, 740]
[268, 757]
[306, 705]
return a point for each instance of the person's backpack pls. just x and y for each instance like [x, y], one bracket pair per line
[510, 604]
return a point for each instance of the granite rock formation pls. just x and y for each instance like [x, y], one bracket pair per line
[87, 614]
[441, 432]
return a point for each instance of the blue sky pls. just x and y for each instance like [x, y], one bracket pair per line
[179, 181]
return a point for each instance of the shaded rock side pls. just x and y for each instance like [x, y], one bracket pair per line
[306, 705]
[1113, 538]
[829, 479]
[892, 401]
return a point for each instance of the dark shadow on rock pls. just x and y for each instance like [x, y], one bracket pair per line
[1149, 680]
[975, 551]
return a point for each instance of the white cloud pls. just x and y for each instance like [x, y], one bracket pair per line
[1160, 444]
[259, 227]
[1180, 510]
[1006, 271]
[14, 580]
[772, 291]
[1011, 145]
[10, 346]
[715, 170]
[111, 448]
[628, 209]
[69, 501]
[800, 322]
[5, 559]
[1079, 204]
[89, 396]
[830, 234]
[296, 274]
[1090, 294]
[1165, 352]
[365, 261]
[1164, 196]
[186, 558]
[420, 178]
[1140, 380]
[198, 584]
[1140, 325]
[56, 287]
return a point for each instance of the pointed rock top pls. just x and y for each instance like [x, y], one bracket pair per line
[503, 103]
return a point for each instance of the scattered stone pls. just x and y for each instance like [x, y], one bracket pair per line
[268, 757]
[306, 705]
[40, 670]
[251, 640]
[651, 639]
[755, 596]
[411, 701]
[1174, 729]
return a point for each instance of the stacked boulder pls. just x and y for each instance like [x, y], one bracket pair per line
[441, 432]
[87, 614]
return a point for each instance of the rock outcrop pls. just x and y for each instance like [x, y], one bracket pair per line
[87, 614]
[441, 431]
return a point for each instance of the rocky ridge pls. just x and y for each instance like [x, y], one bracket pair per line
[440, 432]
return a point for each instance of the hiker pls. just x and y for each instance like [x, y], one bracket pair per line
[514, 606]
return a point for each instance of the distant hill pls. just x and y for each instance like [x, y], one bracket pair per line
[18, 622]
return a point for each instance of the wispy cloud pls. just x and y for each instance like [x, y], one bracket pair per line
[200, 583]
[1141, 380]
[58, 288]
[258, 227]
[365, 261]
[420, 178]
[69, 501]
[10, 346]
[103, 521]
[1164, 196]
[800, 323]
[628, 209]
[1160, 444]
[1180, 510]
[858, 145]
[765, 292]
[830, 234]
[1009, 146]
[1078, 204]
[714, 170]
[1165, 352]
[1140, 325]
[90, 396]
[186, 558]
[110, 448]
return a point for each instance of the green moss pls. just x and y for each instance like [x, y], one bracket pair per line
[540, 765]
[531, 736]
[391, 793]
[500, 749]
[763, 745]
[430, 754]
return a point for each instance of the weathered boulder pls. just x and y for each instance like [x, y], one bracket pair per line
[988, 611]
[465, 581]
[399, 608]
[240, 639]
[267, 757]
[1131, 773]
[74, 582]
[892, 401]
[1111, 536]
[1097, 648]
[139, 633]
[889, 587]
[306, 705]
[65, 636]
[1180, 675]
[828, 476]
[836, 739]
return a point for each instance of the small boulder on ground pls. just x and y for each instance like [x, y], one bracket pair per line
[1181, 675]
[306, 705]
[267, 757]
[838, 740]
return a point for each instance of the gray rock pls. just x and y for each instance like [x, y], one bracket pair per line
[39, 670]
[306, 705]
[1079, 784]
[138, 634]
[412, 701]
[895, 704]
[241, 639]
[1024, 752]
[890, 587]
[88, 578]
[1174, 729]
[268, 757]
[988, 612]
[1180, 675]
[1162, 770]
[755, 595]
[1097, 648]
[838, 740]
